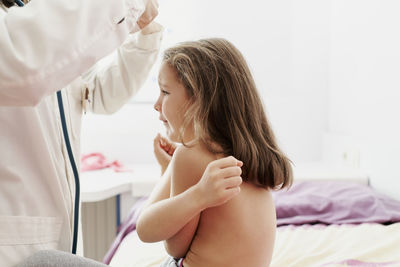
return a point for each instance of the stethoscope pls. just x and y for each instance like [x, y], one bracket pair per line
[10, 3]
[71, 159]
[19, 2]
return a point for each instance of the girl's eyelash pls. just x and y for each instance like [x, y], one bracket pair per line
[164, 92]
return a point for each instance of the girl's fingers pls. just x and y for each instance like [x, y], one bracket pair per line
[163, 142]
[160, 141]
[232, 192]
[171, 150]
[156, 140]
[168, 146]
[158, 145]
[225, 162]
[161, 151]
[233, 182]
[230, 171]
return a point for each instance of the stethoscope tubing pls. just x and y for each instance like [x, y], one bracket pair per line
[74, 169]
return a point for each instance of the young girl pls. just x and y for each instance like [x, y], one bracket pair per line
[209, 103]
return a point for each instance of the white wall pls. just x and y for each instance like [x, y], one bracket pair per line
[285, 43]
[298, 99]
[364, 85]
[126, 136]
[327, 71]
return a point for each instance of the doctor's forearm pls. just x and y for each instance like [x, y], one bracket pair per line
[47, 43]
[126, 74]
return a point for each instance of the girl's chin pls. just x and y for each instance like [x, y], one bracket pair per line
[172, 136]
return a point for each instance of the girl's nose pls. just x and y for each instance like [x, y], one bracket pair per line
[157, 106]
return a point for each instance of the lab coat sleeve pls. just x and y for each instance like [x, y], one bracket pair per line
[47, 44]
[112, 83]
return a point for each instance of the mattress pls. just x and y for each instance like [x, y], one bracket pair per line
[318, 224]
[306, 245]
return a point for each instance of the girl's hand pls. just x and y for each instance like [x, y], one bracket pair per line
[220, 182]
[163, 150]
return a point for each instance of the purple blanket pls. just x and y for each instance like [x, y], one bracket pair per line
[309, 203]
[334, 203]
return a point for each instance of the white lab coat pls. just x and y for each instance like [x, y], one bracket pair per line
[48, 43]
[36, 180]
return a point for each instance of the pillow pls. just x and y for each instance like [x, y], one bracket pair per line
[334, 203]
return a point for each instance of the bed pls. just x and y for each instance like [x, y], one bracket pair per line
[329, 223]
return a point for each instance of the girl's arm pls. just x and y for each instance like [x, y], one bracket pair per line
[164, 218]
[164, 215]
[187, 170]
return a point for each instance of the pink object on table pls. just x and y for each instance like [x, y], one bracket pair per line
[97, 161]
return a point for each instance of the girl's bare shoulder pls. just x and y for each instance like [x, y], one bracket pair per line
[188, 165]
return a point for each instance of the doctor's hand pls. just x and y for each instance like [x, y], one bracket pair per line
[152, 28]
[149, 14]
[163, 150]
[220, 182]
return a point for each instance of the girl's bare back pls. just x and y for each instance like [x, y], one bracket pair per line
[238, 233]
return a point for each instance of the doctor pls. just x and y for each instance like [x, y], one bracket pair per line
[44, 47]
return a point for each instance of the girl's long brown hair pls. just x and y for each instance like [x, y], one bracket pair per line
[227, 110]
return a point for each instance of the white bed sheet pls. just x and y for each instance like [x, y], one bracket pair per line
[306, 245]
